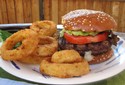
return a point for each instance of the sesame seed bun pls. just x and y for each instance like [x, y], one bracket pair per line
[88, 20]
[102, 57]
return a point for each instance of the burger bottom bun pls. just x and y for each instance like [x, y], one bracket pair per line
[102, 57]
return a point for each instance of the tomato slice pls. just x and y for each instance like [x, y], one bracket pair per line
[85, 39]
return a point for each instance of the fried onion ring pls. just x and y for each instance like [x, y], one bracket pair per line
[47, 46]
[64, 70]
[31, 59]
[64, 64]
[44, 28]
[29, 41]
[66, 56]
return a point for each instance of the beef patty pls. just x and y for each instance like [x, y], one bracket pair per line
[95, 48]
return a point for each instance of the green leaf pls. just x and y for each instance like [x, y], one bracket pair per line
[17, 45]
[78, 33]
[4, 35]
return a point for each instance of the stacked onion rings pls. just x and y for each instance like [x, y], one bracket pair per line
[36, 43]
[47, 44]
[63, 68]
[46, 47]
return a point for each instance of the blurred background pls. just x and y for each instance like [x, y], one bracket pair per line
[28, 11]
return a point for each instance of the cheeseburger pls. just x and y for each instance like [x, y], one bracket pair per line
[90, 33]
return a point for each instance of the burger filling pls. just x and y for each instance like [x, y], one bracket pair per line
[95, 42]
[77, 33]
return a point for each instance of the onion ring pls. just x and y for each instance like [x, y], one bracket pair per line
[31, 59]
[66, 56]
[29, 41]
[44, 28]
[64, 70]
[47, 46]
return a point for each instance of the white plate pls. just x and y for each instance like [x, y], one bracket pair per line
[98, 72]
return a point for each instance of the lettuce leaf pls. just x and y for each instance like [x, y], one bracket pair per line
[77, 33]
[4, 35]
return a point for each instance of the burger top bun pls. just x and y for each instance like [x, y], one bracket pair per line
[88, 20]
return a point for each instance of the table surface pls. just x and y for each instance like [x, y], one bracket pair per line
[119, 79]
